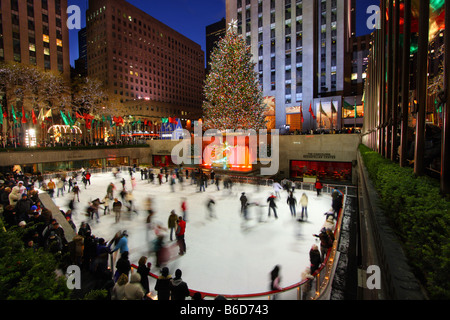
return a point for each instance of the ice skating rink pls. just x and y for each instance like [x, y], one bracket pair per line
[225, 254]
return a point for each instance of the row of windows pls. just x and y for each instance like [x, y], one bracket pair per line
[136, 26]
[17, 43]
[165, 110]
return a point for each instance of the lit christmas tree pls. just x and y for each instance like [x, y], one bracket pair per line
[233, 97]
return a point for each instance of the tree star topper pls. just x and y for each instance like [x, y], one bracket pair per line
[233, 25]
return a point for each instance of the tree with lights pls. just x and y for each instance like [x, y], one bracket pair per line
[233, 97]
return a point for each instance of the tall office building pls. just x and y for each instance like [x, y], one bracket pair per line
[360, 49]
[34, 32]
[81, 62]
[214, 32]
[154, 70]
[301, 51]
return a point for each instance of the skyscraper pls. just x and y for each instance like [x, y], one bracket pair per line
[81, 62]
[35, 32]
[144, 62]
[214, 32]
[301, 51]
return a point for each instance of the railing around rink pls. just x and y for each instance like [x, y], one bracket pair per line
[77, 172]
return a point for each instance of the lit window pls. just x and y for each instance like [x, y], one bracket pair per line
[46, 38]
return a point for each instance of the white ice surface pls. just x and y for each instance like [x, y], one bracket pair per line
[224, 254]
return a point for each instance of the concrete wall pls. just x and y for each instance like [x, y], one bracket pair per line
[327, 147]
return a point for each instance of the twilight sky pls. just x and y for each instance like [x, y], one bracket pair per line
[190, 17]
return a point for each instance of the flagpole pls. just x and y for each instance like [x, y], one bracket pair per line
[310, 117]
[356, 114]
[332, 117]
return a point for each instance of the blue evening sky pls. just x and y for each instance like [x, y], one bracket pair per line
[190, 17]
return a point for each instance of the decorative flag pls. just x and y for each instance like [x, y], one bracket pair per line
[24, 118]
[321, 110]
[1, 114]
[347, 106]
[33, 116]
[48, 114]
[333, 108]
[311, 111]
[13, 114]
[64, 117]
[71, 121]
[301, 115]
[41, 115]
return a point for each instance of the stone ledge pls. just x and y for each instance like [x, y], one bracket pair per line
[401, 282]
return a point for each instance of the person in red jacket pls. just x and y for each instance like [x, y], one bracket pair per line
[181, 229]
[184, 208]
[318, 187]
[88, 177]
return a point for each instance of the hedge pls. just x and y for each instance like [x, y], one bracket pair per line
[28, 274]
[419, 215]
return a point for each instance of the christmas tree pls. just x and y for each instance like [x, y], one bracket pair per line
[233, 97]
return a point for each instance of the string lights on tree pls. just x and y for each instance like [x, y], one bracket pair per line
[233, 97]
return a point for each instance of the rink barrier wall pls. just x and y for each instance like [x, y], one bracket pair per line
[314, 288]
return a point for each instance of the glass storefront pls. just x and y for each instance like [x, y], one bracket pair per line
[324, 170]
[162, 161]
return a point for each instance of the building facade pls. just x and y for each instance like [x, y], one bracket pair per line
[301, 51]
[81, 62]
[214, 32]
[34, 32]
[142, 60]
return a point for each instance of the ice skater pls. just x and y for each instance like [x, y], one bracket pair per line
[130, 199]
[244, 205]
[272, 205]
[180, 233]
[76, 191]
[210, 207]
[275, 281]
[304, 203]
[117, 209]
[277, 188]
[149, 223]
[184, 208]
[318, 185]
[292, 202]
[172, 223]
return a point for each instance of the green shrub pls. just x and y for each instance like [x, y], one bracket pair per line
[96, 295]
[27, 274]
[419, 215]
